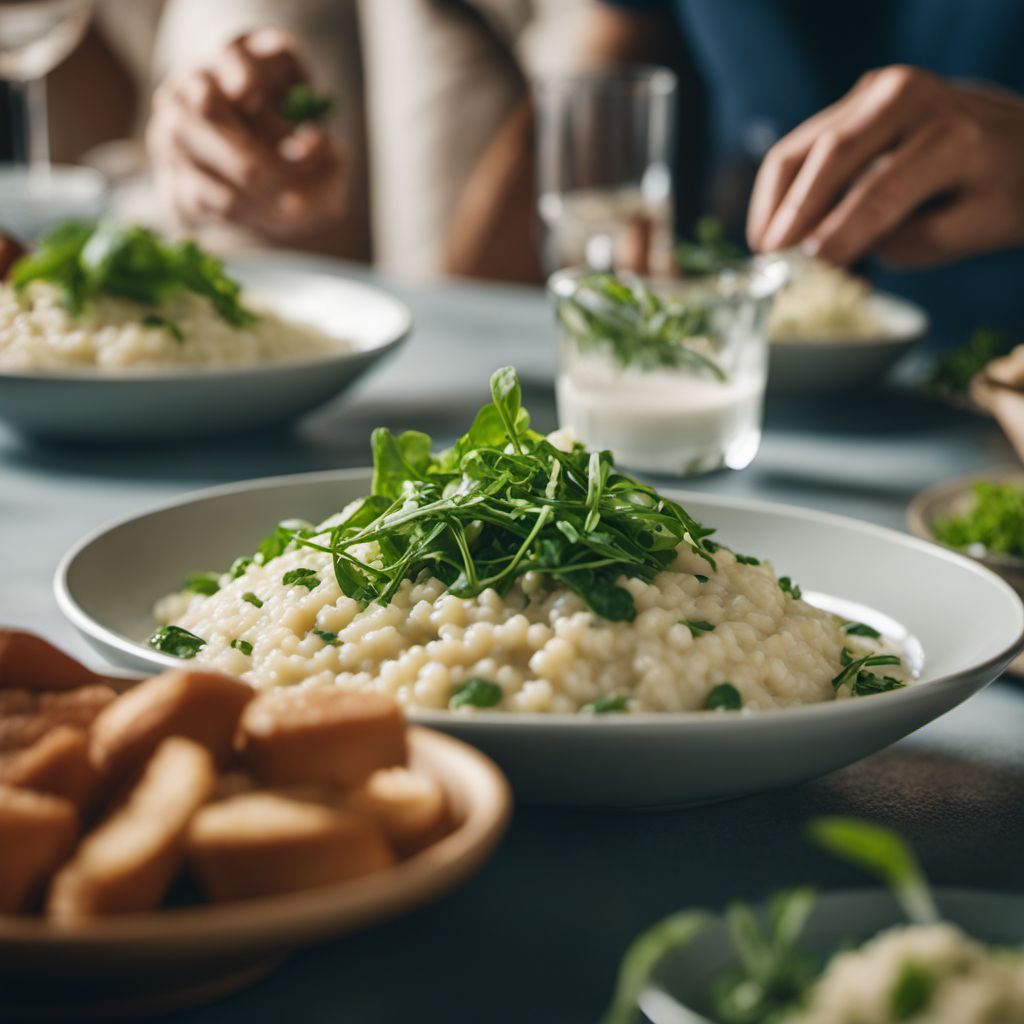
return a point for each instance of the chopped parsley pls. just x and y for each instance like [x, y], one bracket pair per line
[748, 560]
[301, 578]
[203, 583]
[724, 697]
[787, 586]
[995, 520]
[476, 693]
[252, 599]
[326, 635]
[699, 578]
[238, 566]
[860, 629]
[605, 706]
[242, 645]
[696, 627]
[177, 642]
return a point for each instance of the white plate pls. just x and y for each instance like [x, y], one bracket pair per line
[968, 622]
[805, 366]
[134, 965]
[176, 403]
[681, 979]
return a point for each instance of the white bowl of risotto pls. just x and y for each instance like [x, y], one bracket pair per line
[110, 367]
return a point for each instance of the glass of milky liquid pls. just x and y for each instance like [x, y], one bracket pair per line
[667, 374]
[604, 179]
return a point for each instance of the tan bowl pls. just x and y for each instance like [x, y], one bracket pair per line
[122, 968]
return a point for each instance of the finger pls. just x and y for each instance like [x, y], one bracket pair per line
[198, 196]
[275, 59]
[300, 208]
[307, 150]
[896, 184]
[936, 236]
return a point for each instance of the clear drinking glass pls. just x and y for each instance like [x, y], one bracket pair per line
[604, 169]
[667, 374]
[35, 36]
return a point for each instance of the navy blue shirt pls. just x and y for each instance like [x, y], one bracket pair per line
[768, 65]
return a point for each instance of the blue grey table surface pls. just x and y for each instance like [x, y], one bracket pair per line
[537, 934]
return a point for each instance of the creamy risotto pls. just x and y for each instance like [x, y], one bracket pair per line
[519, 573]
[38, 334]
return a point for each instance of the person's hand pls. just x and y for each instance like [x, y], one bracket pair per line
[223, 151]
[907, 165]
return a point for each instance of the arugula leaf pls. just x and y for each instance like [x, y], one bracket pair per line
[605, 705]
[724, 697]
[301, 105]
[156, 320]
[476, 693]
[398, 459]
[882, 852]
[178, 642]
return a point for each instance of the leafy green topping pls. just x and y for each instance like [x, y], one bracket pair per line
[882, 852]
[952, 374]
[637, 326]
[787, 586]
[995, 520]
[476, 693]
[724, 697]
[252, 599]
[203, 583]
[301, 104]
[605, 706]
[238, 567]
[710, 253]
[912, 991]
[242, 645]
[501, 502]
[697, 627]
[327, 636]
[860, 629]
[863, 683]
[86, 260]
[772, 974]
[748, 560]
[301, 578]
[178, 642]
[156, 320]
[699, 578]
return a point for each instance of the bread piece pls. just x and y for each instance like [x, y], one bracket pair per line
[128, 861]
[29, 662]
[409, 806]
[326, 736]
[264, 844]
[37, 834]
[26, 716]
[57, 764]
[201, 706]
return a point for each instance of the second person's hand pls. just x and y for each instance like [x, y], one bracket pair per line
[222, 150]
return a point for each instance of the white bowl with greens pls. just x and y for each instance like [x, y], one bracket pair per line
[108, 333]
[584, 629]
[952, 956]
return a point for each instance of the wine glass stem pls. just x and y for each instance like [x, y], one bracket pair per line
[37, 124]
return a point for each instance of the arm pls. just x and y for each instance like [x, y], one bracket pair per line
[492, 231]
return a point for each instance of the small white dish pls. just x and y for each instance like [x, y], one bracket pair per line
[678, 990]
[968, 623]
[815, 366]
[96, 406]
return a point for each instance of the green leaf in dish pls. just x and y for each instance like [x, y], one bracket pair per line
[476, 693]
[724, 697]
[177, 642]
[606, 705]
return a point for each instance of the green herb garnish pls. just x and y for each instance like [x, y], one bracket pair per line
[503, 501]
[995, 520]
[882, 852]
[203, 583]
[637, 326]
[787, 586]
[252, 599]
[476, 693]
[952, 374]
[710, 253]
[724, 697]
[302, 105]
[238, 567]
[913, 990]
[155, 320]
[605, 706]
[178, 642]
[853, 670]
[130, 262]
[860, 629]
[699, 578]
[326, 635]
[307, 578]
[697, 627]
[748, 560]
[242, 645]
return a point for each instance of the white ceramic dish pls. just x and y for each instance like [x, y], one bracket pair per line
[129, 967]
[93, 406]
[810, 367]
[678, 989]
[967, 621]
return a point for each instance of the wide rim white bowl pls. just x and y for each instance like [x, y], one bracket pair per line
[969, 622]
[191, 401]
[815, 365]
